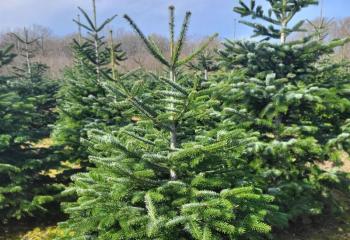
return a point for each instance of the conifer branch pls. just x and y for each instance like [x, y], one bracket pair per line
[151, 47]
[182, 38]
[92, 27]
[109, 20]
[197, 52]
[144, 140]
[173, 84]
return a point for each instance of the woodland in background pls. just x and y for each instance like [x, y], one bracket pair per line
[56, 51]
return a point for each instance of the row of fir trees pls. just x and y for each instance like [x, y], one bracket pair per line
[220, 144]
[27, 105]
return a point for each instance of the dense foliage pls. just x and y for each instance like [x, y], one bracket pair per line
[297, 100]
[175, 173]
[83, 103]
[269, 118]
[224, 144]
[26, 111]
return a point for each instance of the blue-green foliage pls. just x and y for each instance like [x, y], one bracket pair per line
[297, 99]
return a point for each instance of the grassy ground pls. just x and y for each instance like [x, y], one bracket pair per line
[323, 229]
[324, 233]
[46, 233]
[29, 229]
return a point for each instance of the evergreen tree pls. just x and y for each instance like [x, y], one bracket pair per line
[295, 98]
[175, 173]
[32, 82]
[204, 63]
[26, 112]
[83, 103]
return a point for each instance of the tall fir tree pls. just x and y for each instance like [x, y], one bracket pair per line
[175, 173]
[296, 101]
[83, 103]
[32, 81]
[27, 102]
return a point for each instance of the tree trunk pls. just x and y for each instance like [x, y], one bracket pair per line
[173, 134]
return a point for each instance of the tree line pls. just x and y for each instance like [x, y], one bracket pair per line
[56, 52]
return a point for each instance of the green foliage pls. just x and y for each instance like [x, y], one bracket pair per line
[83, 102]
[204, 64]
[6, 56]
[204, 61]
[296, 98]
[26, 103]
[279, 15]
[176, 47]
[182, 154]
[177, 172]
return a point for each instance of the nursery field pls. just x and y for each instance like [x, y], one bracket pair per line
[210, 139]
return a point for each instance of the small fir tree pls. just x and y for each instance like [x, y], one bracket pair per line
[205, 63]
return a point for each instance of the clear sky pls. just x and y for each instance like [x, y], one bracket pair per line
[209, 16]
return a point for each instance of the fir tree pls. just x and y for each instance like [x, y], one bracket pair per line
[83, 103]
[175, 173]
[204, 63]
[32, 82]
[294, 99]
[26, 112]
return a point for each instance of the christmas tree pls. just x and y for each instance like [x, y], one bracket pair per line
[83, 102]
[176, 172]
[295, 98]
[26, 111]
[32, 82]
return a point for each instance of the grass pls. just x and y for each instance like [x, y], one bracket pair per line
[45, 233]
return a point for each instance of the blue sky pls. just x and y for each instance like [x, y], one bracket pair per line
[209, 16]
